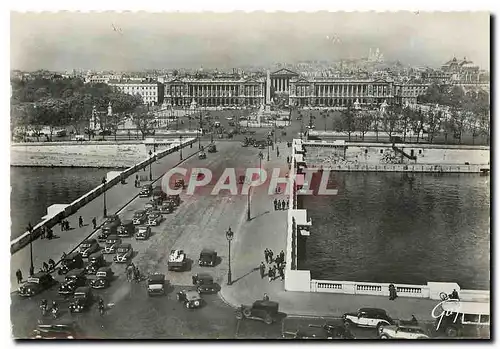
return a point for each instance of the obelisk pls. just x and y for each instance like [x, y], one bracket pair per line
[268, 90]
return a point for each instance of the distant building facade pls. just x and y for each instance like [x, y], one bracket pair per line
[151, 92]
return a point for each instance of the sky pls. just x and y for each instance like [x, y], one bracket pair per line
[138, 41]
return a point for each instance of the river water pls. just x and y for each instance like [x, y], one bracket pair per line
[400, 228]
[34, 189]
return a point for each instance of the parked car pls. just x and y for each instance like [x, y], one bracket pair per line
[208, 258]
[146, 191]
[102, 278]
[212, 148]
[154, 218]
[176, 199]
[111, 243]
[465, 319]
[36, 284]
[261, 310]
[113, 218]
[74, 279]
[159, 194]
[177, 260]
[124, 253]
[156, 284]
[191, 299]
[55, 331]
[82, 299]
[202, 155]
[96, 260]
[88, 247]
[108, 229]
[139, 217]
[126, 229]
[401, 332]
[367, 317]
[153, 204]
[142, 232]
[74, 260]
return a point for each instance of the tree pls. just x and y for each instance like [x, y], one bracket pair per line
[391, 119]
[348, 121]
[143, 119]
[364, 121]
[417, 122]
[434, 118]
[459, 121]
[406, 115]
[50, 112]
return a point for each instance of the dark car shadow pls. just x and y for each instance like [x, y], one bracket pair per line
[134, 254]
[259, 215]
[189, 264]
[218, 261]
[245, 275]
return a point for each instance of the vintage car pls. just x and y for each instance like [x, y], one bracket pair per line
[142, 232]
[191, 299]
[153, 204]
[113, 218]
[88, 247]
[158, 193]
[146, 191]
[156, 284]
[74, 260]
[469, 319]
[74, 279]
[59, 330]
[124, 253]
[367, 317]
[205, 283]
[208, 258]
[324, 331]
[108, 229]
[401, 332]
[177, 260]
[154, 218]
[102, 278]
[36, 284]
[261, 310]
[111, 243]
[179, 183]
[167, 207]
[212, 148]
[82, 299]
[96, 260]
[202, 155]
[175, 199]
[139, 217]
[126, 229]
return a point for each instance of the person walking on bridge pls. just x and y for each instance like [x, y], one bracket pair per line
[94, 222]
[262, 269]
[19, 276]
[80, 222]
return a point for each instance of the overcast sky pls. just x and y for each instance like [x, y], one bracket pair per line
[147, 41]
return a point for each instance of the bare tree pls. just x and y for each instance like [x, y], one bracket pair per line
[434, 120]
[391, 119]
[143, 119]
[364, 121]
[417, 122]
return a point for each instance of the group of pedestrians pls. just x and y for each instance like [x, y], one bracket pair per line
[133, 273]
[276, 266]
[46, 233]
[137, 182]
[65, 225]
[281, 205]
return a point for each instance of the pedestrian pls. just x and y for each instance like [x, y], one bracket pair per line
[42, 234]
[80, 222]
[94, 222]
[283, 204]
[61, 224]
[45, 266]
[19, 276]
[52, 264]
[50, 233]
[281, 270]
[262, 269]
[392, 292]
[266, 297]
[454, 295]
[270, 256]
[129, 273]
[67, 224]
[270, 273]
[266, 255]
[275, 204]
[287, 204]
[282, 255]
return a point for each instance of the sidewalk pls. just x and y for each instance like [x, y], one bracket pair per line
[267, 229]
[116, 198]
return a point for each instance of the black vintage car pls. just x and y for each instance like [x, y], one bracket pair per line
[82, 299]
[156, 284]
[88, 247]
[102, 278]
[74, 279]
[261, 310]
[167, 207]
[36, 284]
[176, 199]
[111, 243]
[71, 261]
[212, 148]
[112, 218]
[146, 191]
[208, 258]
[191, 299]
[96, 261]
[108, 229]
[126, 229]
[158, 193]
[205, 283]
[56, 331]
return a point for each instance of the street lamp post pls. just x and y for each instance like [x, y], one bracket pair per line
[180, 145]
[268, 139]
[32, 268]
[150, 173]
[105, 210]
[229, 237]
[201, 133]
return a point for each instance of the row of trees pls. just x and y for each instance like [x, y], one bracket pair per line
[49, 103]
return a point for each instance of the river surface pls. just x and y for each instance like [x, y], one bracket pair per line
[34, 189]
[399, 228]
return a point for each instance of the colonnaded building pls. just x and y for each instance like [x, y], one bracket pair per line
[290, 89]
